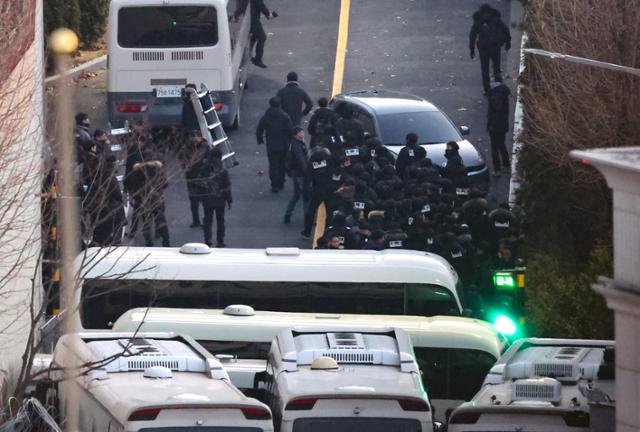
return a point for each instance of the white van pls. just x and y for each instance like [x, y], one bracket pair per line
[152, 382]
[345, 380]
[454, 353]
[114, 280]
[156, 47]
[539, 385]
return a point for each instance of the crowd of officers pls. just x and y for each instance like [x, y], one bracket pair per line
[372, 199]
[376, 201]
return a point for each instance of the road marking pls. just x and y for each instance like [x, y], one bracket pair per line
[321, 222]
[341, 48]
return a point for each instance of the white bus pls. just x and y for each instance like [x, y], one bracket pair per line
[114, 280]
[152, 382]
[156, 47]
[542, 385]
[345, 380]
[454, 353]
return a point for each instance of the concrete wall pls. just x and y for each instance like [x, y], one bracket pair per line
[21, 138]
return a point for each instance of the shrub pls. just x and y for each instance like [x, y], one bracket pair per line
[93, 20]
[568, 205]
[560, 302]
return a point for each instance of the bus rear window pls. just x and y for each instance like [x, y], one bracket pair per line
[449, 373]
[167, 27]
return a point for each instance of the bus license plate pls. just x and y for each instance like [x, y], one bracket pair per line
[169, 91]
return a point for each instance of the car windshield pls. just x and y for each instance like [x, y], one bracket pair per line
[432, 127]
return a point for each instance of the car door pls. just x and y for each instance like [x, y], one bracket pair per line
[366, 120]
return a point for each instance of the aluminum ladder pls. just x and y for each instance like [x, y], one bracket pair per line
[210, 124]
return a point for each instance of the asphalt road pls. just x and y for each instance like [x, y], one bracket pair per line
[416, 46]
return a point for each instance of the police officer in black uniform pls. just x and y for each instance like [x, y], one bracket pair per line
[258, 35]
[321, 171]
[489, 33]
[275, 125]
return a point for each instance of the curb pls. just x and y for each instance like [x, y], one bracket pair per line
[96, 62]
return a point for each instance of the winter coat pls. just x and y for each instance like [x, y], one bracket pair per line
[297, 159]
[407, 157]
[211, 182]
[498, 114]
[257, 7]
[189, 121]
[454, 169]
[277, 126]
[351, 131]
[488, 30]
[321, 118]
[321, 169]
[292, 96]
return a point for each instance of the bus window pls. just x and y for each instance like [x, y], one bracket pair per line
[453, 373]
[241, 350]
[105, 300]
[167, 26]
[430, 300]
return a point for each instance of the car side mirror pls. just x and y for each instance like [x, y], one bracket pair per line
[439, 427]
[465, 130]
[467, 313]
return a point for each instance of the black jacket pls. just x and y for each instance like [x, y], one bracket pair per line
[321, 170]
[189, 121]
[297, 159]
[407, 157]
[211, 182]
[488, 30]
[351, 131]
[454, 169]
[320, 117]
[292, 96]
[498, 114]
[277, 126]
[258, 7]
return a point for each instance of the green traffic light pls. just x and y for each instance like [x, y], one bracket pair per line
[504, 280]
[174, 23]
[505, 325]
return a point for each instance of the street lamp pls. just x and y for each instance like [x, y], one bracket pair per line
[63, 42]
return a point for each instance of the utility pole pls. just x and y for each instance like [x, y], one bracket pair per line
[63, 42]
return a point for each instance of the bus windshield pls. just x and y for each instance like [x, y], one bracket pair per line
[104, 300]
[167, 26]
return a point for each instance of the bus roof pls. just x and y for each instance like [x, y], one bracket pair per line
[124, 3]
[394, 372]
[123, 392]
[400, 266]
[262, 326]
